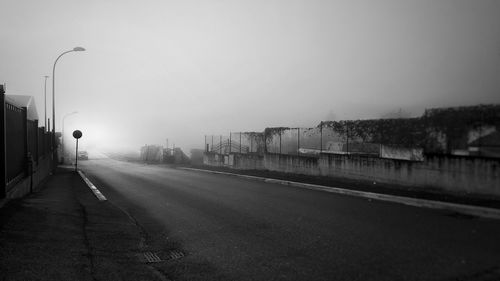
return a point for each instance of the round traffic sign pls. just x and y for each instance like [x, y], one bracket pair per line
[77, 134]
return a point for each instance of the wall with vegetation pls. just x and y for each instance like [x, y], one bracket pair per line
[439, 131]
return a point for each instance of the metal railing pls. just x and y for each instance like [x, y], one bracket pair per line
[22, 144]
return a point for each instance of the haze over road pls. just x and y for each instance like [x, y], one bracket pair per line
[238, 229]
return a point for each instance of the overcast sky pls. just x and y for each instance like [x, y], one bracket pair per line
[182, 69]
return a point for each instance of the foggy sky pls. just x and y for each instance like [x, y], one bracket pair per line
[182, 69]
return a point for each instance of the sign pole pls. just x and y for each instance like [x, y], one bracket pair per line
[76, 134]
[76, 158]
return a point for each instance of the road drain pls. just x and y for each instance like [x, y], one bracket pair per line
[175, 255]
[150, 257]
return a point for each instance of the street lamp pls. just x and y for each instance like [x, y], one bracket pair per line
[62, 134]
[54, 152]
[45, 103]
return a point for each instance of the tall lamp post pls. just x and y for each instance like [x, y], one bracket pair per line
[54, 152]
[62, 134]
[45, 103]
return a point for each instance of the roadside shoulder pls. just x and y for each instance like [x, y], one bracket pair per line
[406, 198]
[114, 238]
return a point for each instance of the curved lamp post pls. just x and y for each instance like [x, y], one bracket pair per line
[45, 103]
[62, 133]
[54, 153]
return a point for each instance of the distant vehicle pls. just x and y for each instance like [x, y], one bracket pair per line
[83, 155]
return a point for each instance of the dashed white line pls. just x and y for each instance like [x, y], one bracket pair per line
[92, 187]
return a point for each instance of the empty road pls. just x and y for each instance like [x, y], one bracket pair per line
[232, 228]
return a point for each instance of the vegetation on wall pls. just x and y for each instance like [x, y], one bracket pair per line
[440, 131]
[453, 124]
[401, 132]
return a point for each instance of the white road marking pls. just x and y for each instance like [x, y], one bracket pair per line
[92, 187]
[484, 212]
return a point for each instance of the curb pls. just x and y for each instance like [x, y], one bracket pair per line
[92, 187]
[483, 212]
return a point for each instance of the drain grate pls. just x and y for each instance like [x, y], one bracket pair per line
[149, 257]
[174, 255]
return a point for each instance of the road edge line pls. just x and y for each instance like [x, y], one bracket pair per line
[92, 187]
[484, 212]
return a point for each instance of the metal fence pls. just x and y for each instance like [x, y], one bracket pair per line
[235, 142]
[461, 131]
[293, 141]
[390, 138]
[22, 143]
[15, 123]
[44, 143]
[32, 138]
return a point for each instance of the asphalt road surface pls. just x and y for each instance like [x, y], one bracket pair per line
[231, 228]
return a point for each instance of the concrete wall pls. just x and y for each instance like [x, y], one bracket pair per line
[292, 164]
[248, 161]
[449, 173]
[211, 159]
[413, 154]
[41, 172]
[234, 160]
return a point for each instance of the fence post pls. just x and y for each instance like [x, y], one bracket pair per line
[347, 138]
[280, 140]
[49, 143]
[230, 143]
[298, 141]
[321, 137]
[3, 154]
[25, 139]
[265, 142]
[37, 154]
[240, 142]
[46, 143]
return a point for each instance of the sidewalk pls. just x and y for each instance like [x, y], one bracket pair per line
[63, 232]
